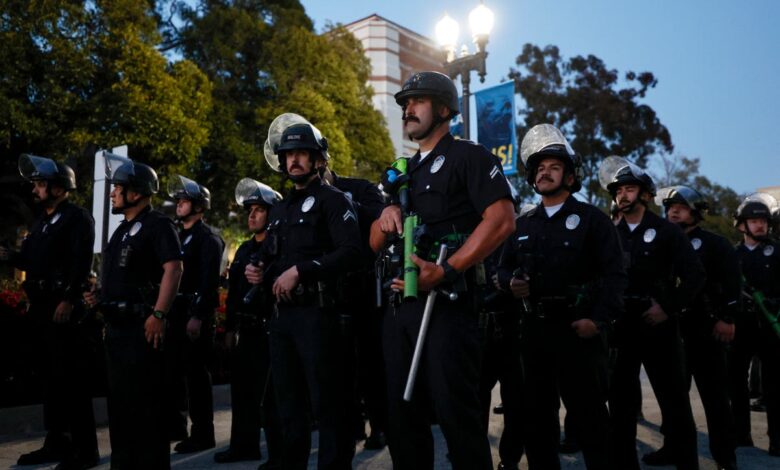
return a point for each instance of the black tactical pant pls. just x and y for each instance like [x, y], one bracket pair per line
[448, 379]
[502, 364]
[706, 361]
[135, 400]
[68, 368]
[306, 367]
[556, 360]
[659, 348]
[252, 395]
[188, 379]
[752, 339]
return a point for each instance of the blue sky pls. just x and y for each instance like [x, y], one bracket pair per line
[717, 63]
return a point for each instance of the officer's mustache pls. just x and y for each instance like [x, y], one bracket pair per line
[544, 178]
[408, 117]
[624, 201]
[294, 166]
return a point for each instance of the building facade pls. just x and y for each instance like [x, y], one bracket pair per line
[395, 53]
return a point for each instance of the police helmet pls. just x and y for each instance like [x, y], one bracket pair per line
[547, 141]
[275, 139]
[180, 187]
[136, 176]
[33, 168]
[757, 206]
[250, 192]
[434, 84]
[682, 195]
[616, 171]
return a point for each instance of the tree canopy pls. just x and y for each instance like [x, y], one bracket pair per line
[599, 110]
[78, 76]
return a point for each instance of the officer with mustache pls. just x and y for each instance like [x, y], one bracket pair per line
[565, 267]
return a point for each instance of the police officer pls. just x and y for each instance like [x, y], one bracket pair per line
[317, 240]
[141, 271]
[458, 192]
[190, 326]
[356, 293]
[247, 313]
[565, 265]
[708, 325]
[757, 331]
[56, 257]
[665, 276]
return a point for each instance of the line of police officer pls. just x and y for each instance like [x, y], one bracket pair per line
[553, 288]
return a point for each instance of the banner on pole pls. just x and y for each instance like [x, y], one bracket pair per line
[496, 123]
[456, 123]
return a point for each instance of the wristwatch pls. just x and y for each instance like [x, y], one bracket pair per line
[159, 314]
[450, 275]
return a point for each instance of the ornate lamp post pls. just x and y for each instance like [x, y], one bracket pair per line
[481, 23]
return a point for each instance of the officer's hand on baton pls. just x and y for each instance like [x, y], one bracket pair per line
[193, 328]
[430, 276]
[254, 274]
[723, 331]
[655, 315]
[390, 220]
[153, 330]
[62, 312]
[285, 284]
[520, 287]
[585, 328]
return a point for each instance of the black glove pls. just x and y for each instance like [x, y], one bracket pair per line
[392, 180]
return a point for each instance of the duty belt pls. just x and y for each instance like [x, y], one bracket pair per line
[41, 287]
[311, 293]
[123, 311]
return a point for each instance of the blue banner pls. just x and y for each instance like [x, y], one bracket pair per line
[496, 123]
[456, 123]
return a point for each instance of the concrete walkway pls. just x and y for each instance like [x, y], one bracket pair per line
[11, 446]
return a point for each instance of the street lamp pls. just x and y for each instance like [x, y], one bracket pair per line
[481, 23]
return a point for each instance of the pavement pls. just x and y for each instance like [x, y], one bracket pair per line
[649, 438]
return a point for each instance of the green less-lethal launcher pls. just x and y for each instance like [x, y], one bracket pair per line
[410, 223]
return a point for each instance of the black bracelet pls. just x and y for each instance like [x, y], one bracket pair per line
[450, 275]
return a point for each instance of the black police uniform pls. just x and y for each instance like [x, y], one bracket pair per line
[57, 257]
[755, 336]
[187, 360]
[251, 394]
[132, 271]
[449, 191]
[317, 231]
[705, 356]
[357, 294]
[575, 269]
[499, 325]
[662, 266]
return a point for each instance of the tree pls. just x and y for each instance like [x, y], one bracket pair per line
[586, 100]
[78, 76]
[264, 59]
[723, 201]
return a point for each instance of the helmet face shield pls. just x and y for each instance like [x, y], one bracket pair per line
[274, 139]
[680, 195]
[249, 191]
[34, 168]
[616, 171]
[544, 138]
[180, 187]
[118, 168]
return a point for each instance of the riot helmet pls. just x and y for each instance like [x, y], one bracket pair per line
[274, 140]
[684, 195]
[250, 192]
[616, 171]
[433, 84]
[758, 206]
[547, 141]
[180, 187]
[33, 168]
[123, 171]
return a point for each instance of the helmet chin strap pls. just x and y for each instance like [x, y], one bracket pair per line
[758, 238]
[125, 203]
